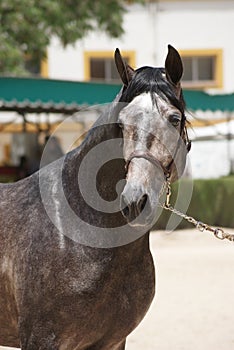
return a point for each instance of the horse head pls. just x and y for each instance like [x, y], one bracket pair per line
[155, 141]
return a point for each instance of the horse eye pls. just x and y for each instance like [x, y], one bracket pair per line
[174, 119]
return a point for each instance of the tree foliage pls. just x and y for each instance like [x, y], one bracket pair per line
[27, 26]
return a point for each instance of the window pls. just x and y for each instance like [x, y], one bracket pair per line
[100, 66]
[36, 67]
[202, 68]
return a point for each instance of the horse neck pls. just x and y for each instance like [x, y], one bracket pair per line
[98, 148]
[82, 163]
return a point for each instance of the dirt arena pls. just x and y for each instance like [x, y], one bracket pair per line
[194, 304]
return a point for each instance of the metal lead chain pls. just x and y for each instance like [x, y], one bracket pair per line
[201, 226]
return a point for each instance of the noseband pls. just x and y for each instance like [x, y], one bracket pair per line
[148, 156]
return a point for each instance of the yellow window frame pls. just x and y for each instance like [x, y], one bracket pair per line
[88, 55]
[44, 66]
[218, 73]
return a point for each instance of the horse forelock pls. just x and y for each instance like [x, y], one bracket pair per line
[154, 81]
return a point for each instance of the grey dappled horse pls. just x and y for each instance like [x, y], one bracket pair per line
[75, 276]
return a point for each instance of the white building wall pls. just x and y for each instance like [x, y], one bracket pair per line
[66, 63]
[148, 31]
[203, 27]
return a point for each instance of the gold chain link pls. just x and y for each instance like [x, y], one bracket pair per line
[201, 226]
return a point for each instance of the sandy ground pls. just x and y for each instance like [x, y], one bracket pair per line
[194, 304]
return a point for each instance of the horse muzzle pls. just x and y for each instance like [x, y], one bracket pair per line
[135, 206]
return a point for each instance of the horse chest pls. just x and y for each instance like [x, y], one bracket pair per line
[135, 293]
[115, 303]
[124, 297]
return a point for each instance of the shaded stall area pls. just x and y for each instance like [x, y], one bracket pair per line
[31, 109]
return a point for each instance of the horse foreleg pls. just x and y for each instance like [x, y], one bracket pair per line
[122, 346]
[103, 345]
[43, 344]
[37, 337]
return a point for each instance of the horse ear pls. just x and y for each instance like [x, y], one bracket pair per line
[173, 65]
[125, 71]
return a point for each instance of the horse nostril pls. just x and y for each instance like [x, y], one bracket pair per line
[128, 209]
[125, 211]
[142, 203]
[131, 210]
[124, 207]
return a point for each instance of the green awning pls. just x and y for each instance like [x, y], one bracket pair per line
[58, 96]
[200, 100]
